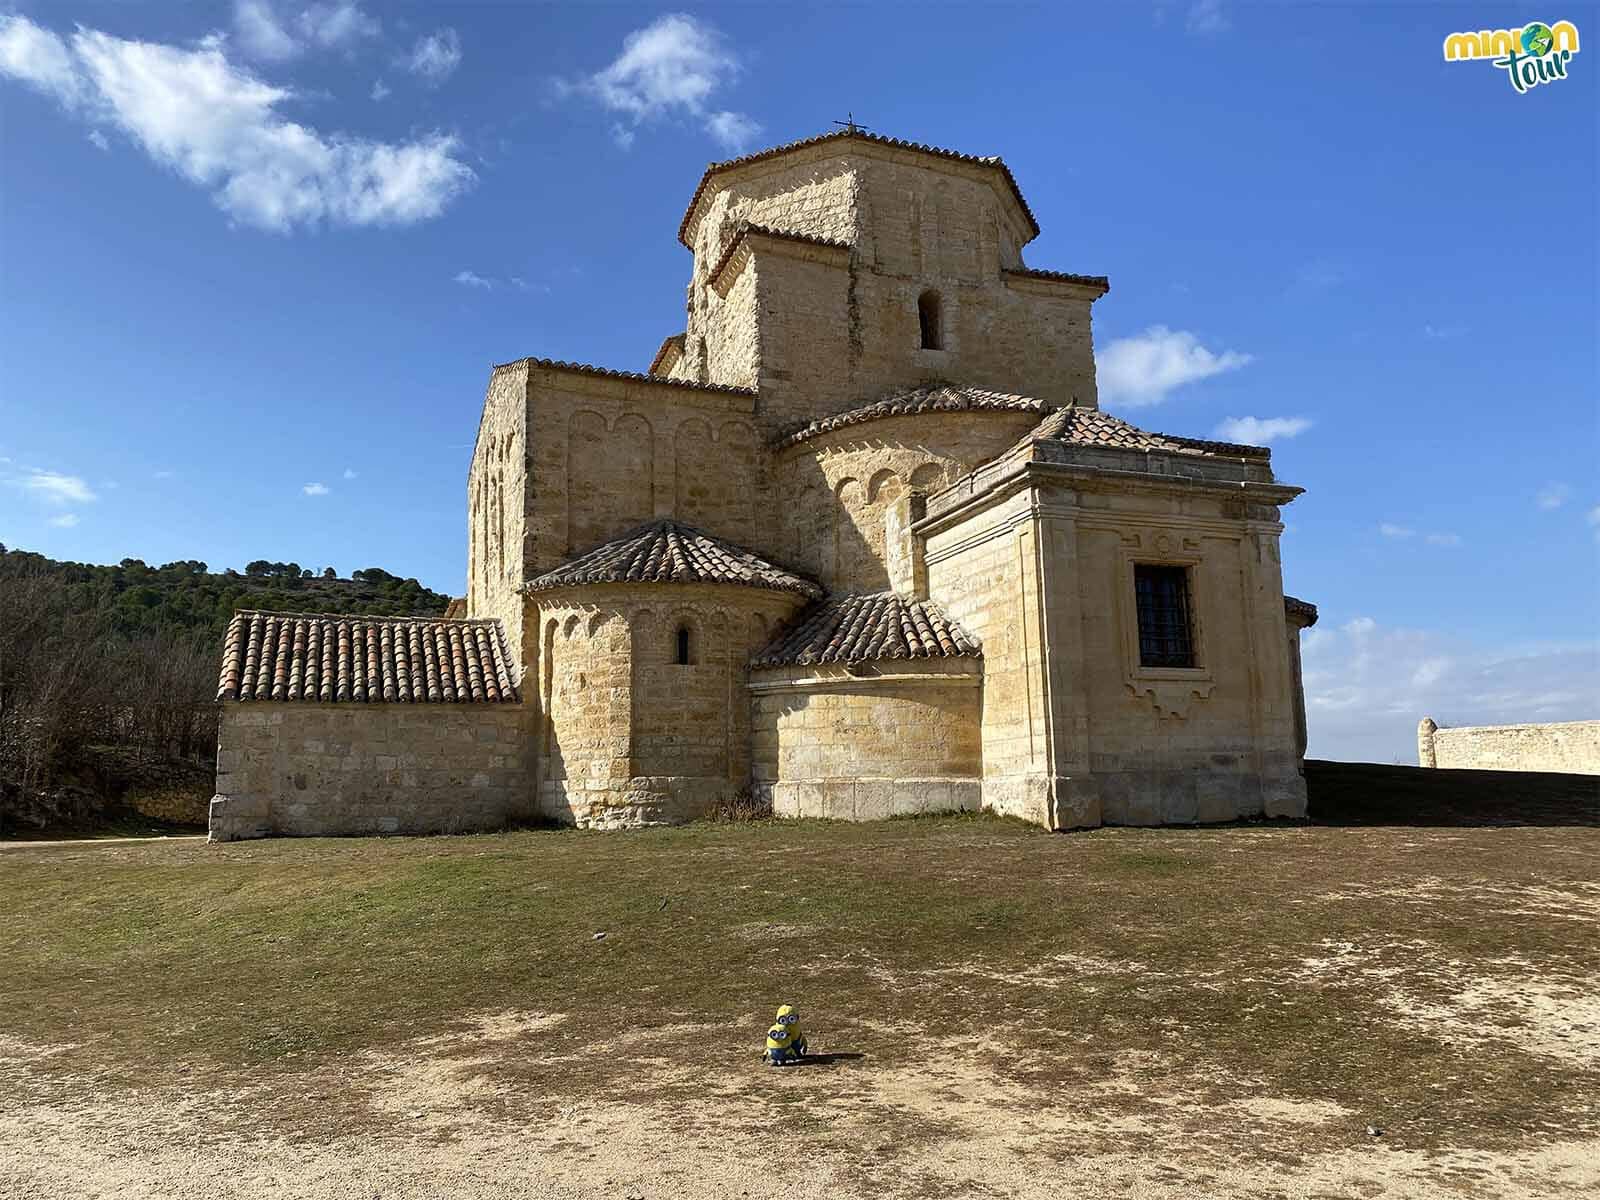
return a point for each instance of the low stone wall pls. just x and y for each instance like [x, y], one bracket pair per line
[328, 769]
[889, 740]
[1572, 747]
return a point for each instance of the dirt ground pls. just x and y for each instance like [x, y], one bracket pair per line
[1271, 1011]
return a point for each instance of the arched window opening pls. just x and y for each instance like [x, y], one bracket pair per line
[685, 647]
[928, 315]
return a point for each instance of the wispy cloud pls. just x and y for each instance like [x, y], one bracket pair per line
[1400, 533]
[1553, 496]
[99, 140]
[1260, 431]
[488, 283]
[64, 520]
[1141, 370]
[1369, 683]
[1593, 517]
[672, 66]
[316, 489]
[54, 488]
[474, 280]
[435, 56]
[1207, 17]
[380, 90]
[1444, 333]
[273, 33]
[349, 474]
[217, 125]
[162, 474]
[1322, 274]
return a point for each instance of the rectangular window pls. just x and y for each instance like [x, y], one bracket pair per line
[1166, 633]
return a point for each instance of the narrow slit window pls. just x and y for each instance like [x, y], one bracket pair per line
[1166, 627]
[683, 646]
[929, 317]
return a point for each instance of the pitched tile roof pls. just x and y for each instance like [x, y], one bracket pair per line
[332, 658]
[1093, 281]
[672, 344]
[744, 229]
[717, 168]
[1091, 427]
[858, 628]
[1302, 612]
[667, 551]
[553, 364]
[941, 397]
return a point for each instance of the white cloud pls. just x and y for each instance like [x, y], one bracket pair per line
[1140, 370]
[266, 35]
[435, 56]
[1444, 539]
[162, 474]
[1367, 686]
[1396, 531]
[349, 474]
[1593, 517]
[1207, 17]
[671, 66]
[316, 489]
[380, 90]
[54, 487]
[1260, 431]
[1553, 495]
[733, 131]
[474, 280]
[39, 58]
[1401, 532]
[99, 139]
[64, 521]
[217, 125]
[1444, 333]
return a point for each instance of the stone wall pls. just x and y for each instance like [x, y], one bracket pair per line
[825, 329]
[858, 744]
[1075, 730]
[840, 487]
[497, 489]
[1570, 746]
[631, 736]
[327, 769]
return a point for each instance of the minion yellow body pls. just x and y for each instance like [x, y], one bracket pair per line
[785, 1042]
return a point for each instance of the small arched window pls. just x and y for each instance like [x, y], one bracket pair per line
[929, 317]
[683, 647]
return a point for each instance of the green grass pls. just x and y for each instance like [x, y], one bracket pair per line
[270, 961]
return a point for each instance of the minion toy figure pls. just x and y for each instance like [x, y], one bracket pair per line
[786, 1045]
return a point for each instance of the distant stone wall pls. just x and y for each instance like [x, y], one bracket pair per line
[858, 744]
[329, 769]
[1571, 746]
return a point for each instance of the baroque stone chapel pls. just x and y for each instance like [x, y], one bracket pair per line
[859, 542]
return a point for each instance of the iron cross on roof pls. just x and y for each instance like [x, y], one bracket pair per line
[850, 125]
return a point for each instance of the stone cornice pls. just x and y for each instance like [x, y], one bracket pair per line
[603, 381]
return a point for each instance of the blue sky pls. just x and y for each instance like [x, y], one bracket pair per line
[256, 259]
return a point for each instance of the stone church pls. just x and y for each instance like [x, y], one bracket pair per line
[859, 542]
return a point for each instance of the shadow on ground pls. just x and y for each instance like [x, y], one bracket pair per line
[1344, 793]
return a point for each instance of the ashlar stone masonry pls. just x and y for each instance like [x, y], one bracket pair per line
[859, 542]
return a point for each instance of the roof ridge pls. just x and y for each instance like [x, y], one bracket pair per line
[855, 627]
[939, 396]
[336, 616]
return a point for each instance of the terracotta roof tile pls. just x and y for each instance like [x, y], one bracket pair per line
[1094, 281]
[669, 344]
[858, 628]
[942, 397]
[1091, 427]
[552, 364]
[717, 168]
[1302, 612]
[666, 551]
[337, 659]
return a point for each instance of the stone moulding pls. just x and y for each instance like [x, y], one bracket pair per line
[725, 273]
